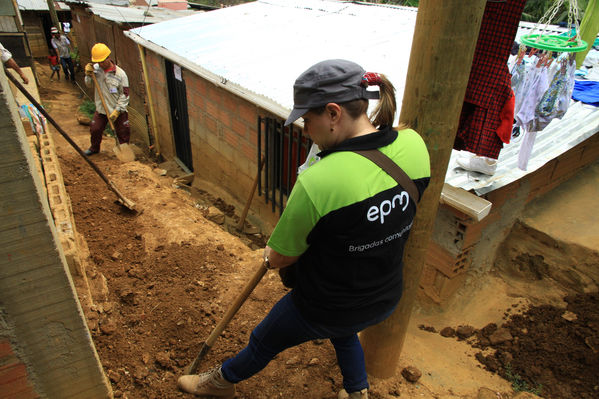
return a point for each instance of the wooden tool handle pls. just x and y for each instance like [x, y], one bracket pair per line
[249, 201]
[229, 314]
[105, 107]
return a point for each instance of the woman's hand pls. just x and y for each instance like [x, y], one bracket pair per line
[277, 260]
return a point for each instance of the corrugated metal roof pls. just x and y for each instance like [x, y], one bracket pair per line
[122, 3]
[137, 14]
[258, 49]
[40, 5]
[264, 45]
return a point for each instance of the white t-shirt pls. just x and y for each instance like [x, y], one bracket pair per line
[5, 55]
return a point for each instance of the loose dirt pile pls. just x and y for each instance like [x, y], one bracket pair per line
[545, 349]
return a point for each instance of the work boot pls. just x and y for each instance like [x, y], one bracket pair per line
[89, 152]
[210, 384]
[363, 394]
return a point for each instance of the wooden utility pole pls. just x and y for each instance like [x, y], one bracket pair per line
[442, 51]
[53, 15]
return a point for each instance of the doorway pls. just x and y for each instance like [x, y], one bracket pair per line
[177, 94]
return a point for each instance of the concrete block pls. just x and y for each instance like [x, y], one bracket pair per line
[437, 286]
[454, 231]
[446, 263]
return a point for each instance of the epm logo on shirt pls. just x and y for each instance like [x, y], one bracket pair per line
[375, 213]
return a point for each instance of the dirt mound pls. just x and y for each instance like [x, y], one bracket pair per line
[546, 350]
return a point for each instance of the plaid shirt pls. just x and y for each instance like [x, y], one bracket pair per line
[489, 86]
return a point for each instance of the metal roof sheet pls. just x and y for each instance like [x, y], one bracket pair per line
[264, 45]
[258, 49]
[122, 3]
[40, 5]
[137, 14]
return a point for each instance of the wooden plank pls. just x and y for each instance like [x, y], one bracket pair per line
[470, 204]
[31, 87]
[7, 24]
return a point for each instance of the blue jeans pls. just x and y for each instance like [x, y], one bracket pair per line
[284, 327]
[68, 67]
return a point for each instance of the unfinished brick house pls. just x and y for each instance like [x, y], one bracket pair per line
[221, 86]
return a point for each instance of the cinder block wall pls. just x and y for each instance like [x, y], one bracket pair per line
[224, 140]
[45, 347]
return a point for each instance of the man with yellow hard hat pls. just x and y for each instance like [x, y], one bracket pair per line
[114, 85]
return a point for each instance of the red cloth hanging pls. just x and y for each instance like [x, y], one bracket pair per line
[489, 86]
[506, 116]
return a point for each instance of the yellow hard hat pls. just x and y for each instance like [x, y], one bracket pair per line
[100, 52]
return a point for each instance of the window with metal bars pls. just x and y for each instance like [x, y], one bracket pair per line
[284, 149]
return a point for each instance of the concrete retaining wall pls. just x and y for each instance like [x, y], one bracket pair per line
[45, 346]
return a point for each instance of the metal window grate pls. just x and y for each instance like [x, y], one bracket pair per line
[284, 149]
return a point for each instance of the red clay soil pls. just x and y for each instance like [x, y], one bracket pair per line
[551, 351]
[163, 302]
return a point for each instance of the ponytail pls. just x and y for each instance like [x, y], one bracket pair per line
[384, 113]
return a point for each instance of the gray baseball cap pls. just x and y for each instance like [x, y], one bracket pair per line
[330, 81]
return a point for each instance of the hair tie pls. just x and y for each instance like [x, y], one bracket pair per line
[371, 79]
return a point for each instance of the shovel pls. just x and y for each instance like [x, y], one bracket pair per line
[229, 314]
[122, 151]
[120, 198]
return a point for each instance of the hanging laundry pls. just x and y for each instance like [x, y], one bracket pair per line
[586, 92]
[556, 99]
[489, 86]
[535, 87]
[544, 90]
[506, 116]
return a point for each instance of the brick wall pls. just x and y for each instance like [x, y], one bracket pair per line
[127, 55]
[82, 23]
[223, 133]
[35, 34]
[14, 381]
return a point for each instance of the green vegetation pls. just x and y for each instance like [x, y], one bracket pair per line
[407, 3]
[218, 3]
[535, 9]
[88, 108]
[518, 384]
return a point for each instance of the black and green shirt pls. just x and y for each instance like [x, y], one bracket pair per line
[348, 222]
